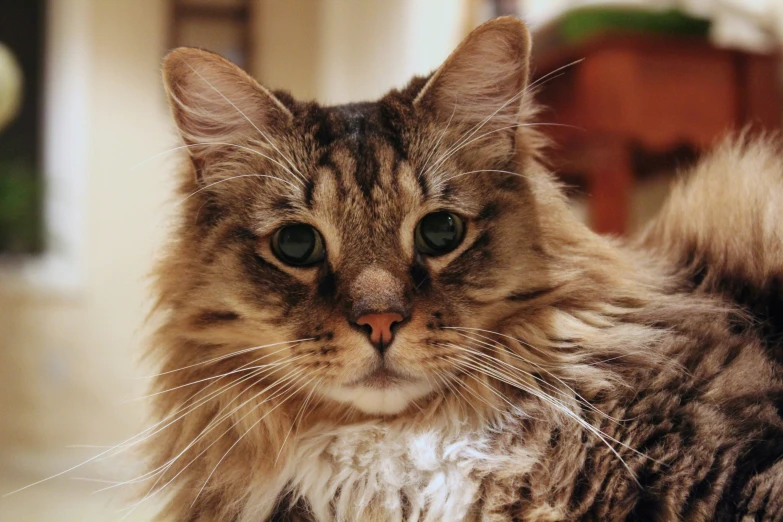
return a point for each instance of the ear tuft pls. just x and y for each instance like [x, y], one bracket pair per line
[484, 77]
[214, 101]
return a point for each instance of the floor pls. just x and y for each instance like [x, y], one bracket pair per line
[67, 498]
[64, 501]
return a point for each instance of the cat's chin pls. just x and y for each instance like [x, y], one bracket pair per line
[389, 400]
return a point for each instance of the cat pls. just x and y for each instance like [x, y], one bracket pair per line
[387, 311]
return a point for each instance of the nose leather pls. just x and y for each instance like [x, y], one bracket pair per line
[380, 327]
[377, 303]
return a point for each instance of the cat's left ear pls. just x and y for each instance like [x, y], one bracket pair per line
[214, 102]
[482, 84]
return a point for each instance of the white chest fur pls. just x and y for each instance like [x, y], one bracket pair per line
[375, 471]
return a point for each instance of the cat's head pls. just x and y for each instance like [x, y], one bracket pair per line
[345, 249]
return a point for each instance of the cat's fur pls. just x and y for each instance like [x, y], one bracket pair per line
[552, 374]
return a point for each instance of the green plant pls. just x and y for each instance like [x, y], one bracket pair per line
[20, 207]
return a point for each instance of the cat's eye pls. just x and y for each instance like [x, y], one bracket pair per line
[439, 233]
[298, 245]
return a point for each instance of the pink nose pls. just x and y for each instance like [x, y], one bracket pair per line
[380, 327]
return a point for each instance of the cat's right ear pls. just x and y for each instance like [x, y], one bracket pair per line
[216, 105]
[480, 88]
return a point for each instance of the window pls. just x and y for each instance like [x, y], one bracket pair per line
[21, 179]
[43, 246]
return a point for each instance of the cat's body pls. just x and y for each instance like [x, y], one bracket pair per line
[537, 371]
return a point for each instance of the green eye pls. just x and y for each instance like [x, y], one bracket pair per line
[439, 233]
[298, 245]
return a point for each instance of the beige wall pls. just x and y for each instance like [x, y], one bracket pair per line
[340, 51]
[287, 51]
[368, 47]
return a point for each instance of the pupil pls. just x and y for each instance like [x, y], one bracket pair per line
[297, 242]
[439, 230]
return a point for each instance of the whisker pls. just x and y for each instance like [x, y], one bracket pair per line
[233, 354]
[150, 493]
[489, 388]
[213, 395]
[558, 379]
[213, 143]
[437, 143]
[496, 373]
[499, 374]
[507, 127]
[508, 351]
[293, 423]
[200, 402]
[124, 445]
[205, 187]
[451, 380]
[543, 79]
[474, 393]
[444, 379]
[440, 183]
[249, 368]
[481, 124]
[141, 437]
[246, 432]
[462, 364]
[475, 129]
[88, 479]
[416, 405]
[304, 416]
[493, 344]
[218, 418]
[435, 387]
[495, 361]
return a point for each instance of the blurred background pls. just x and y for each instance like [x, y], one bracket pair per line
[641, 89]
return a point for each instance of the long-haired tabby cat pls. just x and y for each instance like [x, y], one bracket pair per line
[386, 311]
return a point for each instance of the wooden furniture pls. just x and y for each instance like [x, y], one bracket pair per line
[645, 92]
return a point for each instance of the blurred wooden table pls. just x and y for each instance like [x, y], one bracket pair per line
[650, 92]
